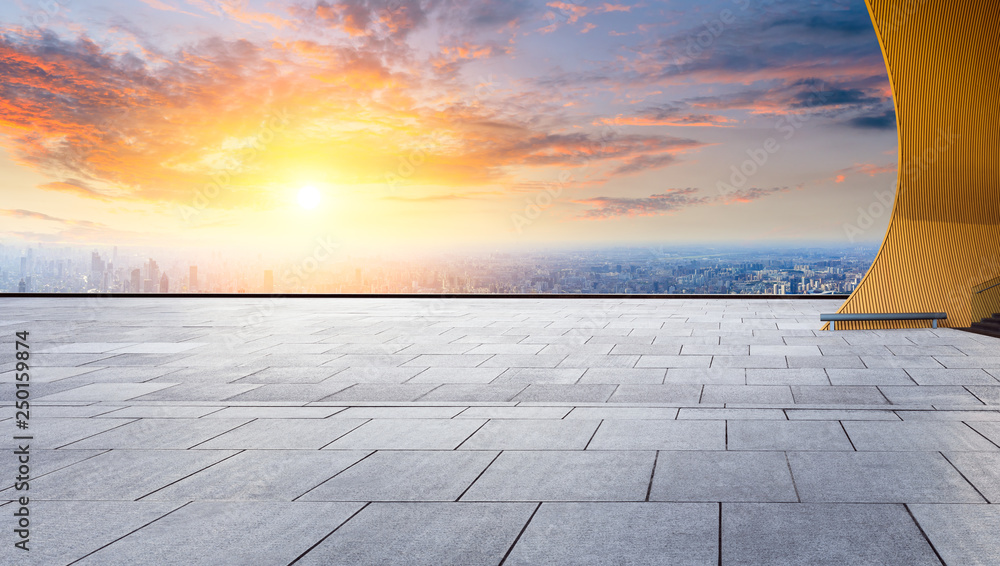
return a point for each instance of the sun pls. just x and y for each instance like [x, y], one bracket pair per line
[309, 197]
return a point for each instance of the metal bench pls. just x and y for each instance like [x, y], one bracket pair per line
[934, 317]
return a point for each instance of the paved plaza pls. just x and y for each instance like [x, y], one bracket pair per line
[474, 432]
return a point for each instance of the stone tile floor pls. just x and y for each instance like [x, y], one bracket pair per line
[496, 431]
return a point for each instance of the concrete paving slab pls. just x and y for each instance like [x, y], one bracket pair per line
[961, 534]
[380, 392]
[632, 533]
[474, 392]
[744, 394]
[159, 434]
[913, 435]
[877, 376]
[929, 395]
[623, 375]
[976, 376]
[262, 475]
[408, 434]
[526, 376]
[234, 533]
[272, 375]
[514, 413]
[456, 375]
[838, 395]
[782, 533]
[58, 432]
[584, 393]
[659, 435]
[424, 534]
[712, 413]
[56, 536]
[409, 475]
[106, 392]
[722, 476]
[136, 473]
[525, 434]
[274, 412]
[565, 476]
[283, 434]
[879, 477]
[787, 435]
[612, 412]
[797, 376]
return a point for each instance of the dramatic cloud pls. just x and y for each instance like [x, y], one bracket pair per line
[29, 214]
[869, 169]
[673, 200]
[884, 121]
[229, 106]
[670, 201]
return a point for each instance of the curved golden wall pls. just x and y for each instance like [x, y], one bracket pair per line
[944, 236]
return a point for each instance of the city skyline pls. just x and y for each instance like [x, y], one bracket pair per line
[411, 125]
[623, 270]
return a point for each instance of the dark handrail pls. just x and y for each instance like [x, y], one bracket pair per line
[994, 283]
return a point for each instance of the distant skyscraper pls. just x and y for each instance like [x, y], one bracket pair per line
[193, 279]
[22, 287]
[96, 265]
[152, 271]
[147, 286]
[268, 281]
[136, 283]
[164, 284]
[24, 266]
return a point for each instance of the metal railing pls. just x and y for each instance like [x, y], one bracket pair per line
[986, 300]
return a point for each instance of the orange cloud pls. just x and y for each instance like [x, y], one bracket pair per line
[869, 169]
[700, 120]
[77, 188]
[238, 10]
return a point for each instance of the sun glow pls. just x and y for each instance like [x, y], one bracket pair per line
[309, 197]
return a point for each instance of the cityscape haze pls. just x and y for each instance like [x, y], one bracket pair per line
[613, 270]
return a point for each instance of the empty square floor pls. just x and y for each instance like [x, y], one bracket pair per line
[493, 431]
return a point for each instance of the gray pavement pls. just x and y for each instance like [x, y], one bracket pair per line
[496, 431]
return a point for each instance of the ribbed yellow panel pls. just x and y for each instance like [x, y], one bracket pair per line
[943, 58]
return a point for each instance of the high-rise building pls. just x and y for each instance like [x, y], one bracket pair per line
[193, 279]
[268, 281]
[24, 266]
[147, 286]
[164, 284]
[136, 283]
[22, 287]
[152, 271]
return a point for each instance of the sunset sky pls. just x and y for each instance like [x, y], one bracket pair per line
[385, 124]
